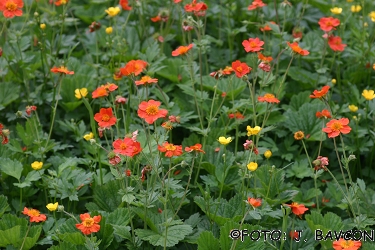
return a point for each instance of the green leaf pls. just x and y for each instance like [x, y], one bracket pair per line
[31, 176]
[170, 237]
[10, 167]
[299, 169]
[8, 93]
[75, 238]
[207, 241]
[119, 217]
[107, 196]
[3, 204]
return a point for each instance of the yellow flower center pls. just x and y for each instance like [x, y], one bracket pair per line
[34, 212]
[102, 91]
[11, 6]
[347, 244]
[269, 96]
[88, 222]
[239, 69]
[145, 79]
[152, 110]
[170, 147]
[123, 146]
[336, 126]
[105, 118]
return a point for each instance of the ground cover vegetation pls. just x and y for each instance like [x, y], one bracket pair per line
[180, 124]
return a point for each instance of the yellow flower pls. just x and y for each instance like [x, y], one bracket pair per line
[113, 11]
[268, 154]
[333, 81]
[372, 16]
[299, 135]
[224, 141]
[336, 10]
[353, 108]
[252, 166]
[36, 165]
[88, 136]
[109, 30]
[349, 1]
[52, 206]
[253, 131]
[79, 93]
[368, 94]
[356, 8]
[42, 26]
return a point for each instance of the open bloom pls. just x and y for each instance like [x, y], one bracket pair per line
[297, 49]
[335, 127]
[52, 206]
[353, 108]
[79, 93]
[197, 147]
[88, 136]
[224, 141]
[253, 131]
[89, 225]
[113, 11]
[133, 67]
[336, 10]
[150, 111]
[253, 44]
[105, 118]
[328, 23]
[356, 8]
[297, 209]
[254, 202]
[335, 44]
[270, 98]
[252, 166]
[299, 135]
[256, 4]
[199, 9]
[125, 5]
[346, 244]
[104, 90]
[182, 50]
[368, 94]
[127, 147]
[62, 70]
[170, 149]
[145, 80]
[35, 215]
[320, 93]
[240, 68]
[11, 8]
[36, 165]
[60, 2]
[324, 114]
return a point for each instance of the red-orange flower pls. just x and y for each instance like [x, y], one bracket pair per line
[346, 244]
[35, 215]
[324, 114]
[297, 209]
[236, 115]
[335, 44]
[89, 225]
[30, 109]
[104, 90]
[297, 49]
[134, 67]
[182, 50]
[253, 44]
[256, 4]
[254, 202]
[150, 111]
[240, 68]
[170, 149]
[145, 80]
[4, 134]
[156, 19]
[265, 28]
[61, 2]
[320, 93]
[105, 118]
[270, 98]
[197, 147]
[199, 9]
[328, 23]
[62, 70]
[127, 147]
[335, 127]
[11, 8]
[125, 5]
[222, 72]
[263, 58]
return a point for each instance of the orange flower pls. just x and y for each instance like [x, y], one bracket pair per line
[297, 209]
[182, 50]
[199, 9]
[35, 215]
[11, 8]
[335, 44]
[299, 135]
[320, 93]
[146, 79]
[222, 72]
[236, 115]
[297, 49]
[62, 70]
[150, 111]
[346, 244]
[104, 90]
[127, 147]
[89, 225]
[328, 23]
[294, 235]
[105, 118]
[4, 134]
[61, 2]
[156, 19]
[197, 147]
[254, 202]
[265, 28]
[256, 4]
[133, 67]
[266, 59]
[253, 44]
[170, 149]
[125, 5]
[270, 98]
[335, 127]
[324, 114]
[240, 68]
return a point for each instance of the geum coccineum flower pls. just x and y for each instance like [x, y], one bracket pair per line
[241, 69]
[125, 5]
[253, 45]
[133, 67]
[320, 93]
[182, 50]
[150, 111]
[297, 209]
[297, 49]
[11, 8]
[62, 70]
[270, 98]
[197, 147]
[60, 2]
[89, 225]
[146, 80]
[336, 127]
[4, 134]
[170, 149]
[104, 90]
[328, 23]
[323, 114]
[35, 215]
[256, 4]
[254, 202]
[343, 244]
[335, 43]
[199, 9]
[127, 147]
[105, 118]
